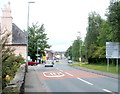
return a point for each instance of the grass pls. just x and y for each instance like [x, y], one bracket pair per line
[99, 67]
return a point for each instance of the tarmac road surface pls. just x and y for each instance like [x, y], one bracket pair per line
[63, 78]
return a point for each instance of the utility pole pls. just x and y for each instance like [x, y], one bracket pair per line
[80, 59]
[27, 35]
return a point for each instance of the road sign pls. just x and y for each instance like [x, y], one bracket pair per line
[29, 58]
[37, 55]
[80, 59]
[44, 57]
[112, 49]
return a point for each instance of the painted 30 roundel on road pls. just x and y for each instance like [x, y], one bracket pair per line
[53, 74]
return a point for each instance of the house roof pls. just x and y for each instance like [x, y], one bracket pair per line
[18, 36]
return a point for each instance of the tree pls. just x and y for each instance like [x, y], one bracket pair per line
[113, 17]
[76, 49]
[68, 53]
[37, 39]
[100, 31]
[104, 34]
[93, 30]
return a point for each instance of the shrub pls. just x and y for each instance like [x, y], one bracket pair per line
[10, 62]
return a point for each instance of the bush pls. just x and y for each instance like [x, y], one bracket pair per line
[9, 67]
[10, 62]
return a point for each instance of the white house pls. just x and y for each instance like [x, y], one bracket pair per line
[17, 38]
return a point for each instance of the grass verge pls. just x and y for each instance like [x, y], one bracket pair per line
[98, 67]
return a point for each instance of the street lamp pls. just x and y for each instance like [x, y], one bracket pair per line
[80, 59]
[28, 13]
[27, 35]
[72, 50]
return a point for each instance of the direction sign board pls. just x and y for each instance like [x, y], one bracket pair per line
[37, 55]
[112, 49]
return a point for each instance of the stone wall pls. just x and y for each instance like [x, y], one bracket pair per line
[16, 86]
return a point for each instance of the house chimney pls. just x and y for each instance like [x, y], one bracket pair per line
[6, 21]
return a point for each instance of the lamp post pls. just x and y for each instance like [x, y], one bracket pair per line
[27, 35]
[80, 48]
[28, 13]
[72, 50]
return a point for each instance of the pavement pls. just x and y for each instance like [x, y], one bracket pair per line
[33, 83]
[98, 72]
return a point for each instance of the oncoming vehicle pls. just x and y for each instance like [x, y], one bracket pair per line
[49, 63]
[32, 63]
[57, 60]
[69, 61]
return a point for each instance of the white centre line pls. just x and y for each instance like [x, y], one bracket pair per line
[68, 73]
[107, 90]
[85, 81]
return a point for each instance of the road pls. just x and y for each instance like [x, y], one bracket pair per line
[63, 78]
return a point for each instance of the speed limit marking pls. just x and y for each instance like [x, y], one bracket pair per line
[64, 74]
[53, 74]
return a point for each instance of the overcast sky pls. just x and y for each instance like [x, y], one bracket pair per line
[63, 19]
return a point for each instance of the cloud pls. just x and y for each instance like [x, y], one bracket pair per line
[60, 47]
[62, 18]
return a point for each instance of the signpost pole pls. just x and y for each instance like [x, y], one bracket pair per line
[117, 65]
[107, 64]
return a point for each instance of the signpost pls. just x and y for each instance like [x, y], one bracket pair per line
[37, 55]
[112, 51]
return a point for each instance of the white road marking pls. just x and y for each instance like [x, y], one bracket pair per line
[107, 90]
[61, 70]
[52, 74]
[68, 73]
[65, 72]
[85, 81]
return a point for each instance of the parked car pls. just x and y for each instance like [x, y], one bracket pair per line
[49, 63]
[69, 61]
[32, 63]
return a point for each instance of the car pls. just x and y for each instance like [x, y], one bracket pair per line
[49, 63]
[69, 61]
[57, 60]
[32, 63]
